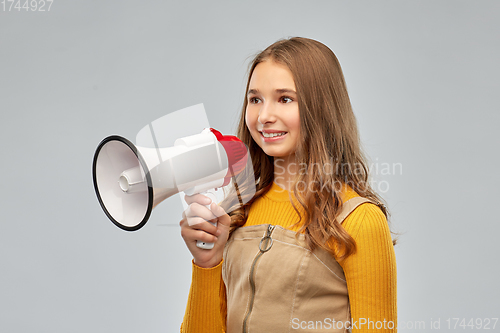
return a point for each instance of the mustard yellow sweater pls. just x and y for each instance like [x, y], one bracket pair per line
[370, 272]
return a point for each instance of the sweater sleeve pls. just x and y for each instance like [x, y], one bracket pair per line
[371, 271]
[206, 306]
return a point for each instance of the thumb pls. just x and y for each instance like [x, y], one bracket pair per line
[221, 214]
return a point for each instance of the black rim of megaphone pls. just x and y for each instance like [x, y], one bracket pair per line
[148, 179]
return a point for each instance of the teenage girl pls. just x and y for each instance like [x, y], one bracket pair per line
[312, 250]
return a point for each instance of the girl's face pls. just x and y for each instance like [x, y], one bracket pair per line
[272, 113]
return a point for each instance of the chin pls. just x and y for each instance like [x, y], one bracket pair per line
[277, 155]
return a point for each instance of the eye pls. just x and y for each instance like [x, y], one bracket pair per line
[286, 99]
[254, 100]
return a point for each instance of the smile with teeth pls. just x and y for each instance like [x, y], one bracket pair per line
[272, 135]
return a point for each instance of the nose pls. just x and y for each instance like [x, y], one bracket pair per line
[266, 113]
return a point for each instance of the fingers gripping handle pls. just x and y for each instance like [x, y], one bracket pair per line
[200, 244]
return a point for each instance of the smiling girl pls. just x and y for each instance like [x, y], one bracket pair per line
[312, 250]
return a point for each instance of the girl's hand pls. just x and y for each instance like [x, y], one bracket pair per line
[194, 227]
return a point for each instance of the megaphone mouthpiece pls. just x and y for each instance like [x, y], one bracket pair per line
[236, 153]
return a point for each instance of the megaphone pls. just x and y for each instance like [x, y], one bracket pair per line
[130, 181]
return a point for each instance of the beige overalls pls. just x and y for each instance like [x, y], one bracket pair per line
[275, 284]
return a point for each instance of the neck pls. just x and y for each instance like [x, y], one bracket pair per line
[285, 169]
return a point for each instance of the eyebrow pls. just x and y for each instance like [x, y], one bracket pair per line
[279, 91]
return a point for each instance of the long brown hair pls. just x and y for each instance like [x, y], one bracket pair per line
[328, 136]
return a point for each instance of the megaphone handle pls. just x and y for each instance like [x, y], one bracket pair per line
[200, 244]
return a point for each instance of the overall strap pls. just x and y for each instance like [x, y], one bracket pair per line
[349, 206]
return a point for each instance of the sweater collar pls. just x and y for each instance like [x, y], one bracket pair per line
[277, 193]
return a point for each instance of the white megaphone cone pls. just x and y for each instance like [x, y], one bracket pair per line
[130, 181]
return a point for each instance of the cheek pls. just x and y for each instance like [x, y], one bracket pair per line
[246, 118]
[295, 122]
[249, 120]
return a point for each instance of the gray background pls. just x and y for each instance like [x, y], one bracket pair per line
[423, 79]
